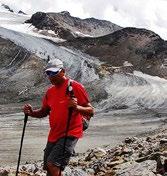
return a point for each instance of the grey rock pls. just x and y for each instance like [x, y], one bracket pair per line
[129, 140]
[74, 172]
[163, 141]
[90, 171]
[4, 172]
[146, 168]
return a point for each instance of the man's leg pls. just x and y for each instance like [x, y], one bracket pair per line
[54, 170]
[58, 157]
[47, 152]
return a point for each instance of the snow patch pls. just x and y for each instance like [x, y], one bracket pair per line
[127, 64]
[16, 22]
[135, 90]
[82, 34]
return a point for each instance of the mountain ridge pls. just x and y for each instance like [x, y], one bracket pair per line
[9, 9]
[68, 27]
[95, 61]
[144, 49]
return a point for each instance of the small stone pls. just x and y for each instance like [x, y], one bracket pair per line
[128, 140]
[99, 152]
[163, 141]
[82, 163]
[146, 168]
[114, 163]
[4, 173]
[140, 145]
[164, 153]
[126, 151]
[90, 171]
[148, 139]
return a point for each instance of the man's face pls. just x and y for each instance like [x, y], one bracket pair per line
[56, 79]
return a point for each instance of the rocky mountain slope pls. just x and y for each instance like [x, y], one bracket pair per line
[140, 49]
[17, 65]
[98, 62]
[67, 27]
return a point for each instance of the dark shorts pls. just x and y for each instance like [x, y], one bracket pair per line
[56, 154]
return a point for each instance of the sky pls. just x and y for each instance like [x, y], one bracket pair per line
[149, 14]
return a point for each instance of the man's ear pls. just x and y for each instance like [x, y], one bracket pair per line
[63, 70]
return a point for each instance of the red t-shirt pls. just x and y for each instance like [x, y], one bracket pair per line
[56, 100]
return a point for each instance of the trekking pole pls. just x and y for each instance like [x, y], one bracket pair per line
[21, 143]
[70, 111]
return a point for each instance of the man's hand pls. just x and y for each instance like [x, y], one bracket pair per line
[87, 110]
[27, 109]
[72, 103]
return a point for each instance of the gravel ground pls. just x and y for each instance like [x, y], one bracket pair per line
[105, 128]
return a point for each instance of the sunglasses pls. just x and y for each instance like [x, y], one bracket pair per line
[51, 73]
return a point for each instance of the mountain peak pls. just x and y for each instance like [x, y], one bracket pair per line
[21, 12]
[6, 7]
[65, 13]
[68, 27]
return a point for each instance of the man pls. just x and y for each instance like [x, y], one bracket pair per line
[56, 104]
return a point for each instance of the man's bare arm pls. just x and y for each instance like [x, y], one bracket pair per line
[38, 113]
[86, 110]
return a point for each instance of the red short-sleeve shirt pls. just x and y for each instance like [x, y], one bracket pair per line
[56, 100]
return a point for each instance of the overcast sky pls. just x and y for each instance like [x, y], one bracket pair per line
[149, 14]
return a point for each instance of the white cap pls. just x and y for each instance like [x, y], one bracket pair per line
[54, 65]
